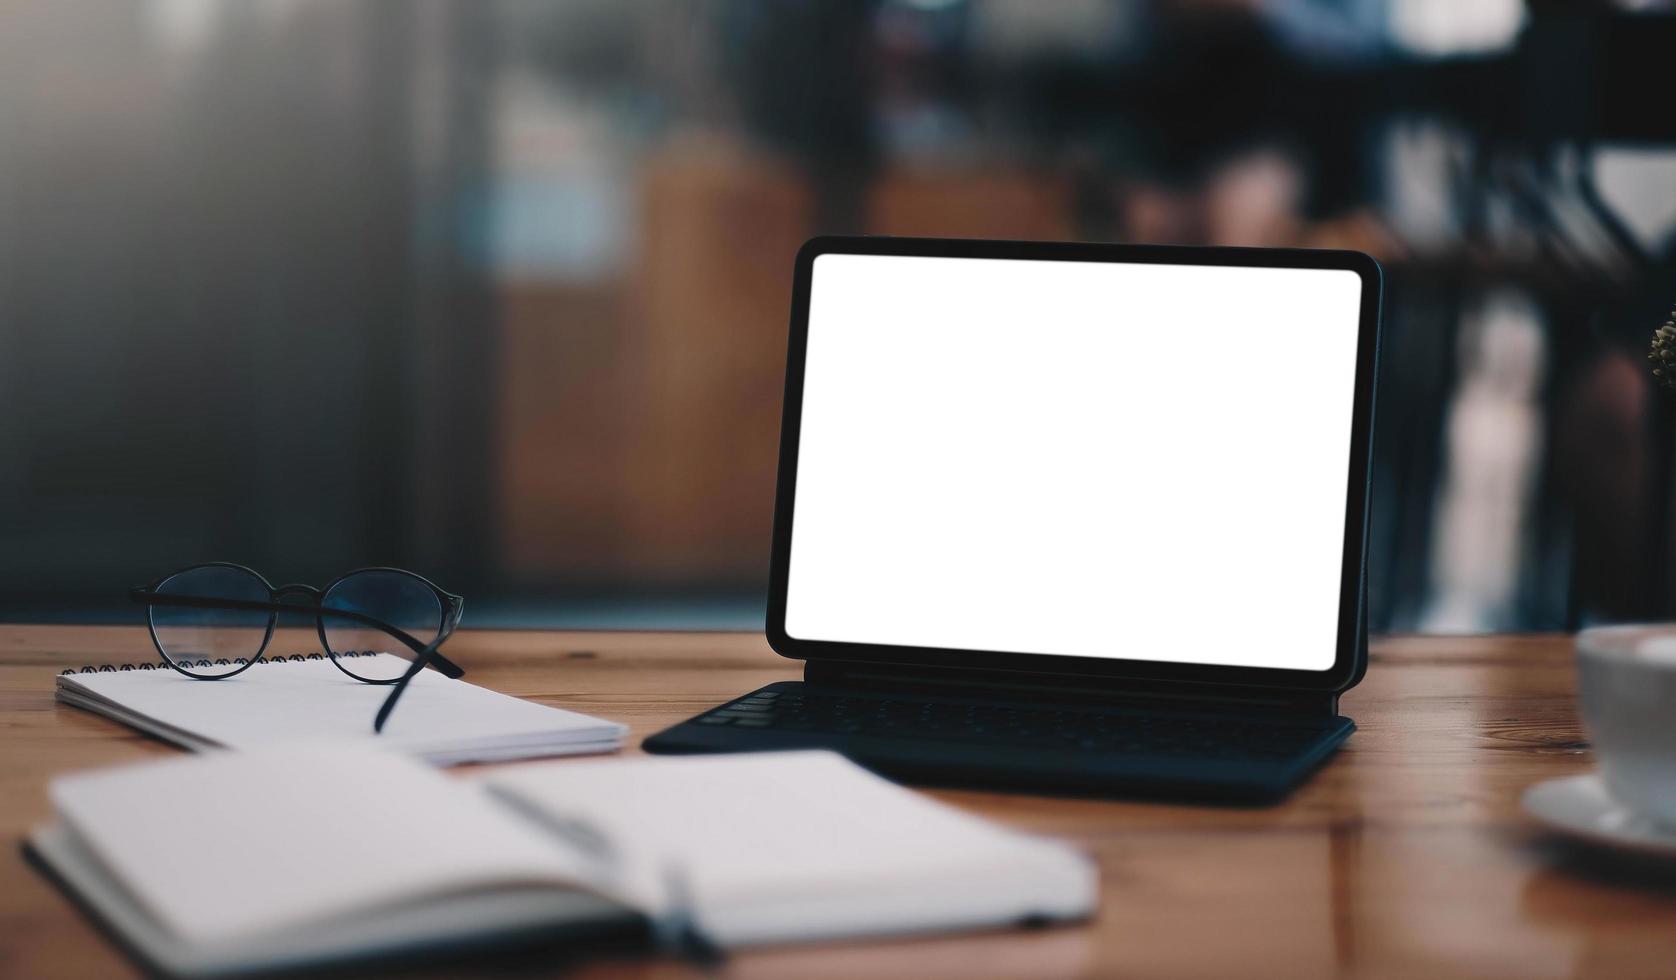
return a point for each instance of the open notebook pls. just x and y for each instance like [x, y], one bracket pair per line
[381, 854]
[441, 720]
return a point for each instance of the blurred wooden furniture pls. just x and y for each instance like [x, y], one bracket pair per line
[1406, 856]
[639, 414]
[939, 203]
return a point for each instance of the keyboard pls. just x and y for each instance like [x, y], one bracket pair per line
[984, 741]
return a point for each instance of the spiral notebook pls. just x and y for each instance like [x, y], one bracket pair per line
[441, 720]
[382, 855]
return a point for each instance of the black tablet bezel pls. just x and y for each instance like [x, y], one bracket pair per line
[1351, 659]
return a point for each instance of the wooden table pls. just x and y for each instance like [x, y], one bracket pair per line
[1406, 856]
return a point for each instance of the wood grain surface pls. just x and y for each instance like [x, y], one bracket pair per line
[1405, 856]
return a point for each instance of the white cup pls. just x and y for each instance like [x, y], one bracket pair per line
[1626, 679]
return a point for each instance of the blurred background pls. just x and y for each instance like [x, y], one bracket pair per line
[497, 290]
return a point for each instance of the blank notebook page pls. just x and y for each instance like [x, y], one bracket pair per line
[290, 836]
[756, 831]
[284, 701]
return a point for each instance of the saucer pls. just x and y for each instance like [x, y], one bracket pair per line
[1579, 807]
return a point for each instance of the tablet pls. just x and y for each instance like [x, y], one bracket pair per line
[1082, 459]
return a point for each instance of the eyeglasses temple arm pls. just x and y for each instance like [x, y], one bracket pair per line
[425, 656]
[434, 659]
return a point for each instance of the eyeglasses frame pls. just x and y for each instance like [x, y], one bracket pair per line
[425, 654]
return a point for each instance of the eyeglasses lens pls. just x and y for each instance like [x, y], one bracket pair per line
[396, 598]
[211, 642]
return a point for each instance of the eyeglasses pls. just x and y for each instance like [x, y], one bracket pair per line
[213, 621]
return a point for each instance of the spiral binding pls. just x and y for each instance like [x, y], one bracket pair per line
[222, 662]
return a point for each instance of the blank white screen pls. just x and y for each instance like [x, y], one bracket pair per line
[1133, 461]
